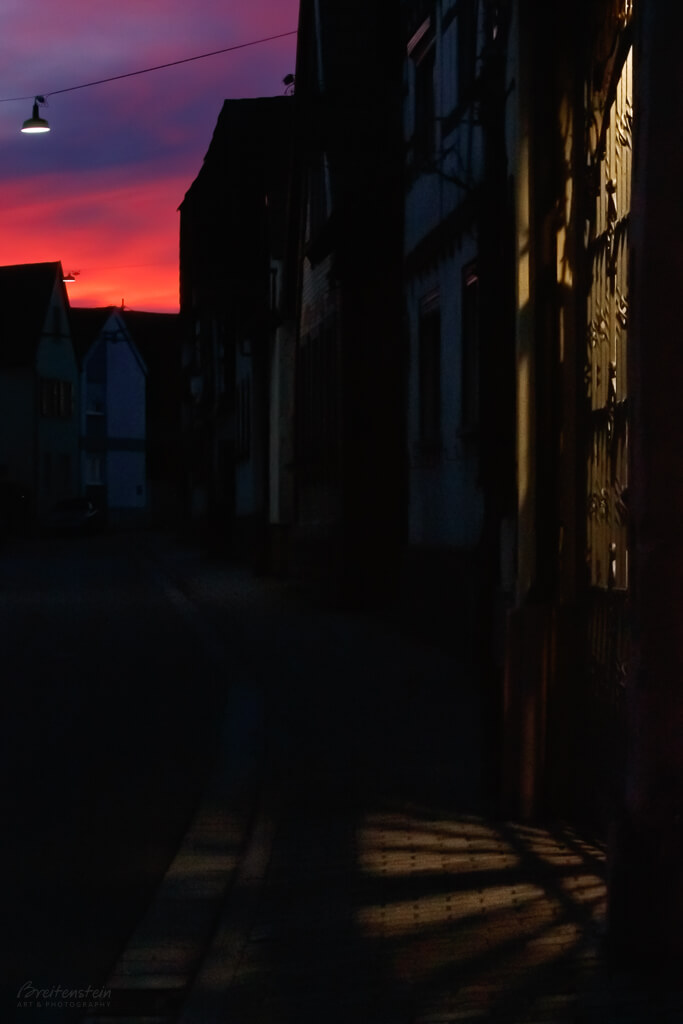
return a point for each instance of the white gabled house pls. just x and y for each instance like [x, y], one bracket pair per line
[113, 414]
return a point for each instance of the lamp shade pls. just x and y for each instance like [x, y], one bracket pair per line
[35, 123]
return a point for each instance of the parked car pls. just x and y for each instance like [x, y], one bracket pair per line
[72, 516]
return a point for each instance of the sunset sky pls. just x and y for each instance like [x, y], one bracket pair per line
[100, 191]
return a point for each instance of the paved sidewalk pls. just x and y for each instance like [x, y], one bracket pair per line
[367, 886]
[413, 916]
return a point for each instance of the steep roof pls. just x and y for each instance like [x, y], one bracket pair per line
[235, 208]
[250, 137]
[86, 324]
[25, 293]
[156, 335]
[144, 330]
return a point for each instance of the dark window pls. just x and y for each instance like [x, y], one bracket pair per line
[470, 349]
[467, 48]
[94, 469]
[56, 398]
[430, 375]
[418, 11]
[425, 105]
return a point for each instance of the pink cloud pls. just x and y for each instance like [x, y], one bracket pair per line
[120, 237]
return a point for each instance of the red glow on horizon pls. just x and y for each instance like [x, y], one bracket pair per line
[121, 239]
[100, 192]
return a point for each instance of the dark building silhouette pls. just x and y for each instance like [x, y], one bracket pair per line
[39, 449]
[472, 390]
[350, 346]
[158, 339]
[231, 239]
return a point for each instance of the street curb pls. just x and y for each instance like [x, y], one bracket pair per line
[224, 953]
[165, 956]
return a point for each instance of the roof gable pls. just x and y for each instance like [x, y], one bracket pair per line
[26, 292]
[92, 325]
[86, 326]
[249, 149]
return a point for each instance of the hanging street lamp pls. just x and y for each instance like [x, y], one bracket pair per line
[35, 124]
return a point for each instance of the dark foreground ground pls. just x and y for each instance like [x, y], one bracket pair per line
[227, 804]
[109, 726]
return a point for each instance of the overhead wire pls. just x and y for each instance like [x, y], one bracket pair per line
[156, 67]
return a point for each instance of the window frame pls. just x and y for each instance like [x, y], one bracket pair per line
[429, 359]
[422, 53]
[56, 398]
[470, 350]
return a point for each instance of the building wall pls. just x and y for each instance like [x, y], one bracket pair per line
[232, 219]
[17, 426]
[445, 496]
[114, 423]
[58, 432]
[246, 479]
[126, 390]
[281, 395]
[126, 481]
[319, 493]
[126, 427]
[281, 444]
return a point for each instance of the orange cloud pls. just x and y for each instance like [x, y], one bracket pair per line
[122, 238]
